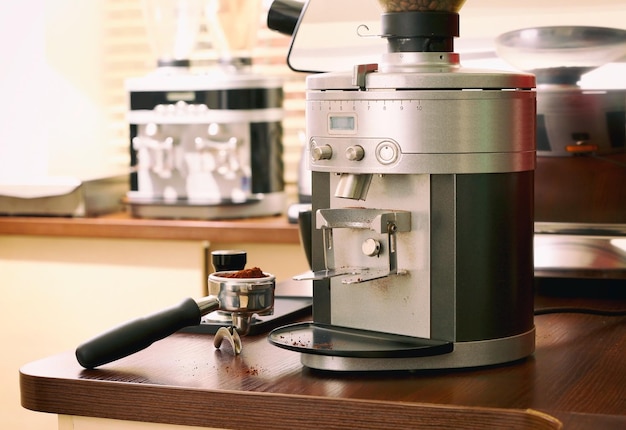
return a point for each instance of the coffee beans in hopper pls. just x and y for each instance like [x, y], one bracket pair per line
[421, 5]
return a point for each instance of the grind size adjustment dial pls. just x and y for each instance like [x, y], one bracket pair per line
[321, 152]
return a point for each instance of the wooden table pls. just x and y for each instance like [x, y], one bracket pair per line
[577, 375]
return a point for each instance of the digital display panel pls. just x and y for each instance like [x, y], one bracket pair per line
[342, 123]
[176, 96]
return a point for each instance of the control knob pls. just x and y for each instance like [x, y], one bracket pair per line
[355, 153]
[322, 152]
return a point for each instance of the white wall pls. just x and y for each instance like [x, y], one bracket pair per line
[22, 84]
[492, 17]
[52, 110]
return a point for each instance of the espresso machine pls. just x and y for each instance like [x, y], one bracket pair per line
[205, 142]
[422, 206]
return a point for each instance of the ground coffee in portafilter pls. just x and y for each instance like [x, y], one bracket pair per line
[255, 272]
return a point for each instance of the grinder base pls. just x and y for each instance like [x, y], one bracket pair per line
[404, 354]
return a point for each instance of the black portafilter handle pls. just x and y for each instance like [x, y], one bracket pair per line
[283, 15]
[140, 333]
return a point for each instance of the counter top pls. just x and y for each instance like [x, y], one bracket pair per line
[577, 375]
[274, 229]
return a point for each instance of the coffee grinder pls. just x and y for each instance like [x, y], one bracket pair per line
[205, 143]
[422, 195]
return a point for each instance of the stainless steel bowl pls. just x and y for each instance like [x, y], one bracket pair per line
[558, 53]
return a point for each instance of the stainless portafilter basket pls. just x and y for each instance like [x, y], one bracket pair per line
[243, 297]
[240, 296]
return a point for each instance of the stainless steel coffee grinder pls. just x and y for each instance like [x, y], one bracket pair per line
[422, 190]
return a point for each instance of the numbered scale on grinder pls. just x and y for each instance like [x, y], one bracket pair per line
[422, 190]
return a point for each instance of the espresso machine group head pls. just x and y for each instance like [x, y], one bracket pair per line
[422, 195]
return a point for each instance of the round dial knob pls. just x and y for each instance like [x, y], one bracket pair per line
[322, 152]
[355, 153]
[387, 152]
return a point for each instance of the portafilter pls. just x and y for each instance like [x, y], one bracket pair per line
[242, 297]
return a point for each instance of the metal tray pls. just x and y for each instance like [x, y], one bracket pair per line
[322, 339]
[63, 196]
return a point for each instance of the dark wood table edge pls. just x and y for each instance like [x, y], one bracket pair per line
[245, 410]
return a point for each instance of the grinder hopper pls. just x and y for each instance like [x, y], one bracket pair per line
[172, 28]
[233, 27]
